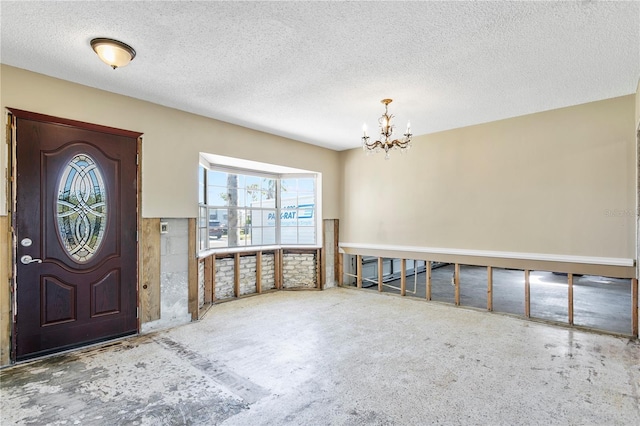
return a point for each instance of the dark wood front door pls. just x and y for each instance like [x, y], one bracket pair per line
[75, 228]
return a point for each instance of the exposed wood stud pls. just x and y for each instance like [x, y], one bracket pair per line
[570, 297]
[403, 277]
[527, 295]
[236, 275]
[456, 283]
[340, 278]
[336, 253]
[259, 272]
[277, 271]
[380, 272]
[208, 273]
[489, 288]
[193, 271]
[428, 274]
[213, 277]
[319, 269]
[149, 291]
[634, 307]
[359, 271]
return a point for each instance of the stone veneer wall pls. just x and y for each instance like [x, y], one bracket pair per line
[299, 270]
[201, 283]
[224, 278]
[247, 275]
[268, 272]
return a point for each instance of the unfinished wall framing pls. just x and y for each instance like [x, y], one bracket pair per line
[231, 275]
[560, 298]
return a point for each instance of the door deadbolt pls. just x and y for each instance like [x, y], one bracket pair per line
[26, 242]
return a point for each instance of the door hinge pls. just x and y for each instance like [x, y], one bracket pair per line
[137, 159]
[137, 236]
[137, 312]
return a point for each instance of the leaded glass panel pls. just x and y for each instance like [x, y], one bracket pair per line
[81, 208]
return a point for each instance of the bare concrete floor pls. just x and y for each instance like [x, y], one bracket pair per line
[337, 357]
[599, 302]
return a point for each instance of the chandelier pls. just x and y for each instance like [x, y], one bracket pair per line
[386, 130]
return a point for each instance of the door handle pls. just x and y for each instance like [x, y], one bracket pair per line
[26, 259]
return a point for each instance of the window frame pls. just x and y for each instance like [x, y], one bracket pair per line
[203, 228]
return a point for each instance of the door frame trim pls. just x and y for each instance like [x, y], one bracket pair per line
[14, 113]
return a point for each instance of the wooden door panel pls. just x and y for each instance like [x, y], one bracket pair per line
[76, 197]
[57, 301]
[105, 295]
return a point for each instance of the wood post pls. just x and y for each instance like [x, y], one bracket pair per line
[259, 272]
[489, 288]
[149, 270]
[337, 257]
[527, 295]
[380, 272]
[213, 277]
[277, 262]
[456, 282]
[634, 306]
[208, 292]
[428, 274]
[340, 277]
[192, 271]
[319, 269]
[570, 298]
[236, 274]
[403, 277]
[359, 271]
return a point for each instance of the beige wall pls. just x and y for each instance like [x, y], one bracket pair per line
[171, 142]
[559, 182]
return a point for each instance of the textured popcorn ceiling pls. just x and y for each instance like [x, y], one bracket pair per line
[316, 71]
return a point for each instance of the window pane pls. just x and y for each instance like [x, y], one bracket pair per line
[306, 235]
[306, 185]
[252, 182]
[288, 218]
[202, 217]
[269, 235]
[269, 186]
[202, 238]
[217, 178]
[288, 185]
[306, 214]
[253, 197]
[201, 190]
[217, 196]
[289, 235]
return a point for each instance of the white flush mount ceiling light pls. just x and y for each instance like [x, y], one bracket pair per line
[114, 53]
[386, 130]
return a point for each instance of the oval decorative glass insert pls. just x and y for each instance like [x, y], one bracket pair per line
[81, 208]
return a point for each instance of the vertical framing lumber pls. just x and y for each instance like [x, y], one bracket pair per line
[236, 274]
[489, 288]
[380, 272]
[277, 263]
[213, 277]
[259, 272]
[634, 306]
[456, 282]
[149, 270]
[428, 274]
[319, 269]
[403, 277]
[527, 295]
[340, 278]
[359, 271]
[337, 258]
[570, 297]
[208, 273]
[193, 271]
